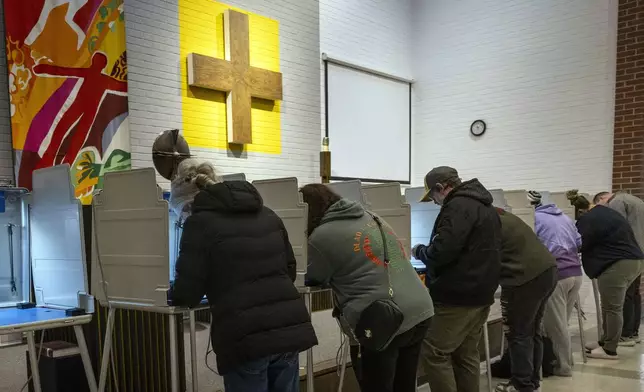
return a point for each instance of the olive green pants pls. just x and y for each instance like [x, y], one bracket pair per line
[450, 352]
[613, 284]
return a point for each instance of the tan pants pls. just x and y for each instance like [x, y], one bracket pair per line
[555, 322]
[450, 353]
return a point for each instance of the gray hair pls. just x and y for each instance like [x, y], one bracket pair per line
[192, 176]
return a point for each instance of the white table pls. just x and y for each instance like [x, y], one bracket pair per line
[28, 321]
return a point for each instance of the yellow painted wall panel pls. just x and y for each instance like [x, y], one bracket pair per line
[201, 30]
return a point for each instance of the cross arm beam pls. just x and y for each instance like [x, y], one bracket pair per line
[210, 72]
[264, 84]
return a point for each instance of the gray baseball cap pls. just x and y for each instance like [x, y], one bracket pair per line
[438, 175]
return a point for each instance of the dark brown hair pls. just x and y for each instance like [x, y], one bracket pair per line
[319, 197]
[581, 204]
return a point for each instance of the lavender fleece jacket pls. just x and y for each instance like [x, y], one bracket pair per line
[559, 234]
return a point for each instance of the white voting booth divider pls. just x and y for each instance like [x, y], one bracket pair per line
[519, 205]
[351, 190]
[131, 241]
[498, 199]
[131, 258]
[386, 201]
[283, 196]
[57, 241]
[57, 264]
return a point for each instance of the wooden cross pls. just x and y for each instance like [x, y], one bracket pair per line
[236, 77]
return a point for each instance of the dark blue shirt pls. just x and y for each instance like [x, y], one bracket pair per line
[606, 238]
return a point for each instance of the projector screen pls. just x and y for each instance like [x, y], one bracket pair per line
[369, 125]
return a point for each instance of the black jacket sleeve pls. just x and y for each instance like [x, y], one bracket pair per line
[192, 273]
[291, 262]
[450, 235]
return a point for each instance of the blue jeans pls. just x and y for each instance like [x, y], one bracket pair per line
[277, 373]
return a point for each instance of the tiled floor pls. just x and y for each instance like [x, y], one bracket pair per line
[625, 375]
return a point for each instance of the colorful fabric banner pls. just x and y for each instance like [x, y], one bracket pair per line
[68, 88]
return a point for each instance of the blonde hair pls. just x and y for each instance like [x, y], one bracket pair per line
[192, 176]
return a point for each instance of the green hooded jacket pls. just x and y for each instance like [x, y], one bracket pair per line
[346, 252]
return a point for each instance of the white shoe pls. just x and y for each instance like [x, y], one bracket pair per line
[505, 387]
[592, 346]
[599, 353]
[627, 342]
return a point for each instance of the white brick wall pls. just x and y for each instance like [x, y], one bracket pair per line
[372, 33]
[540, 73]
[154, 86]
[6, 150]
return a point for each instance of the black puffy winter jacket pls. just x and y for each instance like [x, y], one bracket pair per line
[236, 251]
[464, 257]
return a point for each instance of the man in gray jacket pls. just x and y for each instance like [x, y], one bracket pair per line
[631, 208]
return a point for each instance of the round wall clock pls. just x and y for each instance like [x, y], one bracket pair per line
[478, 128]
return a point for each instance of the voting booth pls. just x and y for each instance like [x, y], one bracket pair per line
[283, 196]
[386, 201]
[48, 226]
[351, 190]
[498, 199]
[132, 257]
[519, 205]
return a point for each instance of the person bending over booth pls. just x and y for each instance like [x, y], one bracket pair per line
[463, 263]
[559, 234]
[632, 208]
[236, 251]
[610, 254]
[528, 277]
[381, 302]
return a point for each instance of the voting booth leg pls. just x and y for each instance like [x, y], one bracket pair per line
[107, 347]
[33, 361]
[87, 362]
[343, 363]
[488, 362]
[193, 351]
[598, 306]
[309, 353]
[174, 355]
[582, 336]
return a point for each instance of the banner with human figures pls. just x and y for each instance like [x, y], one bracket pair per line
[67, 69]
